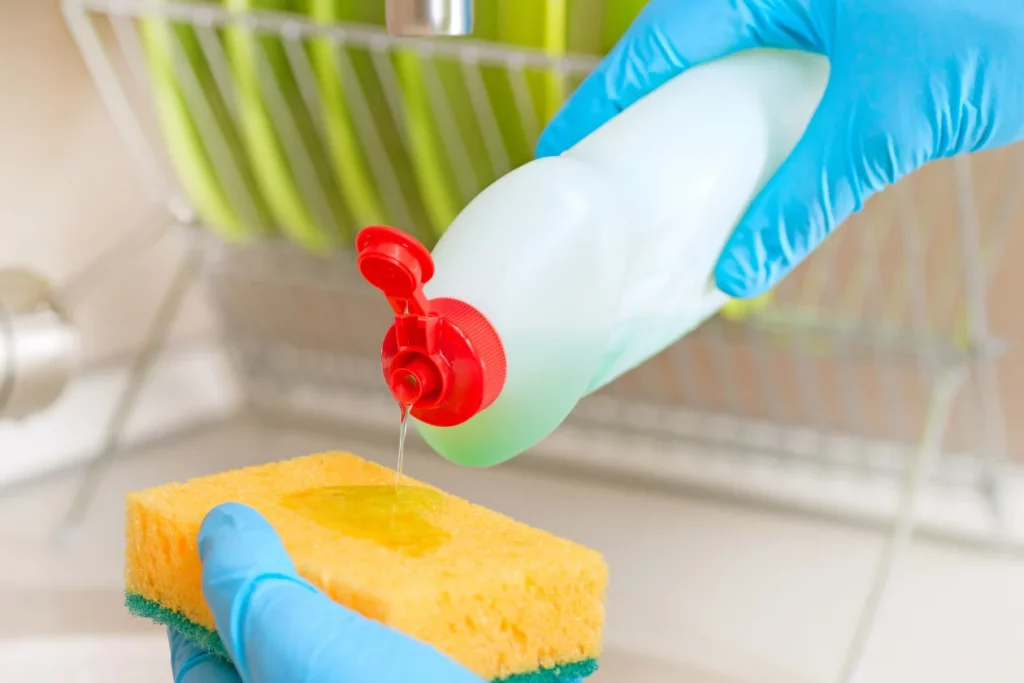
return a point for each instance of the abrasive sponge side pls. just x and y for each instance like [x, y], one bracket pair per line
[510, 602]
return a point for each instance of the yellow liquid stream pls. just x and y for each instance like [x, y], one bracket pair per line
[393, 517]
[403, 427]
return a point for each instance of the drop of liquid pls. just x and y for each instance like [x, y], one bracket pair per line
[402, 429]
[396, 518]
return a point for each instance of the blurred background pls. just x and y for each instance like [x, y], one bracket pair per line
[823, 485]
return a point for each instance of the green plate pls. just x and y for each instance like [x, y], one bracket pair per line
[481, 133]
[364, 141]
[448, 150]
[343, 139]
[618, 15]
[291, 166]
[192, 114]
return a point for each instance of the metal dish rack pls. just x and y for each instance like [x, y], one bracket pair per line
[832, 387]
[868, 389]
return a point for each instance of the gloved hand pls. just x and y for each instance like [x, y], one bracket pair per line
[278, 627]
[911, 81]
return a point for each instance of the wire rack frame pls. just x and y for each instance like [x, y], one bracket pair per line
[819, 400]
[866, 389]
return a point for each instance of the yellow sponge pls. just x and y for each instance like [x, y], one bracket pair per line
[500, 597]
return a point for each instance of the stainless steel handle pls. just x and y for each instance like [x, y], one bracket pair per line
[425, 18]
[39, 345]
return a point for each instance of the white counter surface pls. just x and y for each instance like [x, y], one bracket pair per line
[701, 592]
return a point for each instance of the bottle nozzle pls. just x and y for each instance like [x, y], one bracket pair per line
[406, 386]
[415, 381]
[441, 356]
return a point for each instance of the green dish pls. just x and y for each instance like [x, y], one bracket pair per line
[225, 195]
[520, 104]
[343, 139]
[618, 15]
[300, 188]
[385, 193]
[449, 154]
[448, 129]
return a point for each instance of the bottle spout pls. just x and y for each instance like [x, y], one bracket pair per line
[441, 356]
[414, 381]
[429, 18]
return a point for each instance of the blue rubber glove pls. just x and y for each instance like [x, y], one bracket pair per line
[911, 81]
[279, 628]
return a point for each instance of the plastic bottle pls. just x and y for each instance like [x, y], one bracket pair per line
[569, 271]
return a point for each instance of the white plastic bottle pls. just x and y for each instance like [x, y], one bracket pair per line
[570, 271]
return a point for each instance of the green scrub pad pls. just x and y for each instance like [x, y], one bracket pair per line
[209, 641]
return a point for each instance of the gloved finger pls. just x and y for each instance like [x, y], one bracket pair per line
[279, 627]
[191, 665]
[667, 38]
[834, 168]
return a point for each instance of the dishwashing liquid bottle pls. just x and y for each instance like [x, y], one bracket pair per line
[571, 270]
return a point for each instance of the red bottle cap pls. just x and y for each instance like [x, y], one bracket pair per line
[441, 356]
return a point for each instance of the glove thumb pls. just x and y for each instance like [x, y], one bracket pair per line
[824, 179]
[278, 627]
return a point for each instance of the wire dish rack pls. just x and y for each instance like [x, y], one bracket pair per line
[870, 386]
[873, 367]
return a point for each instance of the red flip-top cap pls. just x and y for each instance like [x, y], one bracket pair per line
[441, 356]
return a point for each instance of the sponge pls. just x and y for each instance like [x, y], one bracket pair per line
[509, 602]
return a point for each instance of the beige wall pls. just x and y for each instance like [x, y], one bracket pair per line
[68, 189]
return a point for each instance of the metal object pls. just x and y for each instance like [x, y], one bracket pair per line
[39, 345]
[866, 391]
[427, 18]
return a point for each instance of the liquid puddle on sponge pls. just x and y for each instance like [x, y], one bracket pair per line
[393, 517]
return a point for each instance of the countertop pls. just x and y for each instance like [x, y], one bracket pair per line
[701, 591]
